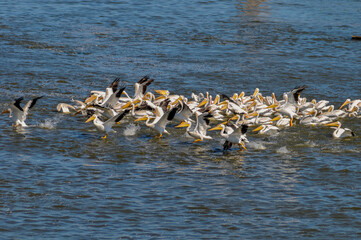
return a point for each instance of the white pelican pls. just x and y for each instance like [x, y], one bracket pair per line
[17, 113]
[266, 129]
[199, 132]
[281, 121]
[160, 122]
[107, 125]
[289, 108]
[100, 96]
[352, 104]
[340, 132]
[233, 134]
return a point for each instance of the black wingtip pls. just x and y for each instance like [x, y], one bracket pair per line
[225, 97]
[122, 115]
[244, 128]
[120, 91]
[114, 84]
[33, 102]
[172, 114]
[17, 103]
[144, 79]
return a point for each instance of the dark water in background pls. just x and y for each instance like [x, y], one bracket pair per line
[59, 180]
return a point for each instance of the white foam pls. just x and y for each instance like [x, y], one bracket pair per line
[282, 150]
[256, 145]
[50, 123]
[131, 129]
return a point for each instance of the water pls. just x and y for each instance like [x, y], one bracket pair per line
[60, 180]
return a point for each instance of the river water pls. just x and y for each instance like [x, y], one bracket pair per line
[58, 179]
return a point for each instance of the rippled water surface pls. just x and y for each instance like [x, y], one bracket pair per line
[58, 179]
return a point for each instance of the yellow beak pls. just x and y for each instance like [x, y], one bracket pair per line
[162, 92]
[345, 103]
[276, 118]
[203, 102]
[333, 124]
[256, 91]
[141, 119]
[273, 105]
[90, 119]
[218, 127]
[182, 124]
[258, 129]
[90, 99]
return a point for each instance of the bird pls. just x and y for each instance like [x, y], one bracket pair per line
[289, 107]
[18, 114]
[266, 129]
[340, 132]
[160, 122]
[107, 125]
[233, 134]
[199, 132]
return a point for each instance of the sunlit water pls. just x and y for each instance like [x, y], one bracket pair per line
[59, 179]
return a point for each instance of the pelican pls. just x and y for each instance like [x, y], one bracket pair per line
[18, 114]
[100, 96]
[352, 104]
[199, 132]
[107, 125]
[233, 134]
[340, 132]
[281, 121]
[160, 122]
[267, 129]
[289, 108]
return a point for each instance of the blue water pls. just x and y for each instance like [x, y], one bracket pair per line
[59, 180]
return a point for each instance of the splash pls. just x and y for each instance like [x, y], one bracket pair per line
[256, 145]
[282, 150]
[131, 130]
[49, 123]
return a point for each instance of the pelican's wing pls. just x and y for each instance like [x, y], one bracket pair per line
[294, 95]
[143, 80]
[167, 116]
[171, 114]
[114, 85]
[31, 104]
[146, 84]
[164, 104]
[17, 103]
[111, 121]
[241, 130]
[203, 123]
[65, 108]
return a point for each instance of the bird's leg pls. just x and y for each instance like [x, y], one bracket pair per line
[156, 136]
[197, 140]
[242, 144]
[291, 122]
[106, 135]
[240, 147]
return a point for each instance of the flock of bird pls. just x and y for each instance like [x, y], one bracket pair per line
[231, 115]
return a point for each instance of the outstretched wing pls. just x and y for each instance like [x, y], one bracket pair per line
[114, 85]
[17, 103]
[31, 103]
[297, 91]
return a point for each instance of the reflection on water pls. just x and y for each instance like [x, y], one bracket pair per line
[252, 8]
